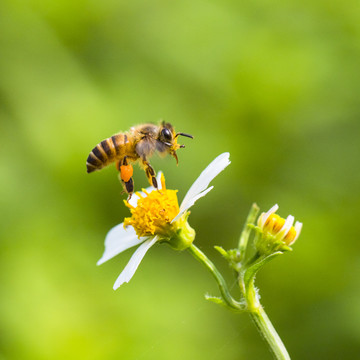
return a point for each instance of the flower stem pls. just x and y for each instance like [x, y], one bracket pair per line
[200, 256]
[263, 323]
[253, 306]
[244, 237]
[269, 333]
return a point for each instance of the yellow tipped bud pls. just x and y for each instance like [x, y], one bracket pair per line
[277, 232]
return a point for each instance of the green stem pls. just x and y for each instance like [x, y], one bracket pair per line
[269, 333]
[253, 305]
[263, 323]
[244, 237]
[200, 256]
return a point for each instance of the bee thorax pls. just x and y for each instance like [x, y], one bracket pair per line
[145, 148]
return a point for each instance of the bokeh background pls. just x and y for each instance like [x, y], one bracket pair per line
[275, 83]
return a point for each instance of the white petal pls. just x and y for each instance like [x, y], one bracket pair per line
[203, 181]
[134, 262]
[298, 227]
[264, 216]
[118, 240]
[134, 198]
[158, 178]
[191, 202]
[286, 227]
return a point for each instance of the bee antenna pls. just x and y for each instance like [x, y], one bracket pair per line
[182, 146]
[183, 134]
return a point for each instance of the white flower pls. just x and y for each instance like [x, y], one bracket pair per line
[159, 221]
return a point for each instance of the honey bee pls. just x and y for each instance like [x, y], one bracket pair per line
[136, 145]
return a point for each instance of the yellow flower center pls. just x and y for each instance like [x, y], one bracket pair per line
[154, 213]
[273, 225]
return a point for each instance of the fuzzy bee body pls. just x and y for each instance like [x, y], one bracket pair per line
[138, 144]
[110, 150]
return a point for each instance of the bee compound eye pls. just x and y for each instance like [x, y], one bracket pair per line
[166, 133]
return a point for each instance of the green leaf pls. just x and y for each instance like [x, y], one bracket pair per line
[222, 251]
[253, 269]
[215, 299]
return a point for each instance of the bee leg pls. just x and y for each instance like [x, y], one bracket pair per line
[125, 176]
[175, 157]
[150, 174]
[129, 186]
[122, 162]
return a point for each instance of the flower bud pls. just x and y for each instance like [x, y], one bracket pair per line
[277, 233]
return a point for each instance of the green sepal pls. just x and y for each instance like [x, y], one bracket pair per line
[184, 234]
[267, 244]
[254, 227]
[286, 248]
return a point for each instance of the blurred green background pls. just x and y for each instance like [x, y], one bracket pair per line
[276, 84]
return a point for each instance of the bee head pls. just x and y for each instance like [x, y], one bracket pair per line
[168, 138]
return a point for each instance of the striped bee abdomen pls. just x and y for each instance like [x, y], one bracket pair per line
[105, 152]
